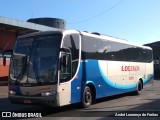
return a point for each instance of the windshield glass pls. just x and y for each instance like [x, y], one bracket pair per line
[35, 59]
[23, 46]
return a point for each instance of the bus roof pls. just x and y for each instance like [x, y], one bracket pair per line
[95, 35]
[42, 33]
[114, 39]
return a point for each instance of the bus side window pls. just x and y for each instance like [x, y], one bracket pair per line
[89, 48]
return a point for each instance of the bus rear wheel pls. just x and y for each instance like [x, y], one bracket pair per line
[87, 97]
[139, 88]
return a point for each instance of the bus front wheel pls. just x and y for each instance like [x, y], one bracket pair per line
[87, 97]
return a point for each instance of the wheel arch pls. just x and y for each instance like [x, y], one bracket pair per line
[91, 85]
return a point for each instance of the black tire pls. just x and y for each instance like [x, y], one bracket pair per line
[139, 88]
[87, 97]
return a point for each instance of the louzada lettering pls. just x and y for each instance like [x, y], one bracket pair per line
[130, 68]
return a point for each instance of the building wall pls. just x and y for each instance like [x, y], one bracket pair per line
[7, 40]
[156, 57]
[4, 70]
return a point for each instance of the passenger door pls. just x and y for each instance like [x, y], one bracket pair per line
[67, 74]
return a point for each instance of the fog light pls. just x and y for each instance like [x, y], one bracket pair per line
[49, 93]
[12, 92]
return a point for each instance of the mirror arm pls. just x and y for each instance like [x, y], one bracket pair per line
[4, 60]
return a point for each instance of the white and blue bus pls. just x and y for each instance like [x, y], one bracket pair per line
[63, 67]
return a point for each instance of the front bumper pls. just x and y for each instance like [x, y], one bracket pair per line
[33, 100]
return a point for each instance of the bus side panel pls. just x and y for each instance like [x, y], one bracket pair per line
[87, 74]
[109, 78]
[119, 81]
[76, 86]
[136, 73]
[149, 74]
[116, 81]
[94, 72]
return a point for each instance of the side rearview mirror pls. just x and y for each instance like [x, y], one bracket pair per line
[65, 57]
[4, 60]
[64, 60]
[6, 54]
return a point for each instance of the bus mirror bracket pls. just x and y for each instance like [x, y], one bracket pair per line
[4, 60]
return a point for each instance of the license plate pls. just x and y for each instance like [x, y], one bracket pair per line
[27, 101]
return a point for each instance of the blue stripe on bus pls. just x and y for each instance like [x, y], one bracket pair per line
[145, 81]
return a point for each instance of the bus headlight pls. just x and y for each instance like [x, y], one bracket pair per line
[12, 92]
[48, 93]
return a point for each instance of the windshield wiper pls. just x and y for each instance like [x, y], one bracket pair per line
[23, 69]
[36, 70]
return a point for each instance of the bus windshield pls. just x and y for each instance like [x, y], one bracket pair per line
[35, 59]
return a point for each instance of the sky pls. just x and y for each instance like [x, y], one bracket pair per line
[134, 20]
